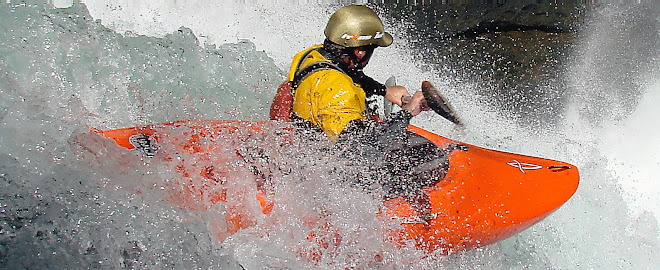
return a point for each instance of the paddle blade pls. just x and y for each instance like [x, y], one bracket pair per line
[387, 105]
[439, 103]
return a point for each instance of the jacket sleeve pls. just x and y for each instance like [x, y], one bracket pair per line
[370, 86]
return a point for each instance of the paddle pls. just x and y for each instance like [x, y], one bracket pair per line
[434, 100]
[387, 106]
[439, 104]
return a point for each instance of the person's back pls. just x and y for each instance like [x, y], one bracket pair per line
[327, 97]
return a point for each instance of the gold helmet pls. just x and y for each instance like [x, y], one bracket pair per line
[355, 26]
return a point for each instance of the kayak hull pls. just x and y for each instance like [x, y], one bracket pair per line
[485, 196]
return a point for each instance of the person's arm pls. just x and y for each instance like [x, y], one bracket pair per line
[415, 104]
[386, 134]
[396, 94]
[370, 86]
[334, 103]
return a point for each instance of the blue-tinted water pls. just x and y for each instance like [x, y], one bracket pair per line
[68, 199]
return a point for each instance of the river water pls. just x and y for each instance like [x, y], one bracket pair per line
[68, 198]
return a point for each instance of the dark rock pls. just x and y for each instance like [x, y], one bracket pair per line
[513, 50]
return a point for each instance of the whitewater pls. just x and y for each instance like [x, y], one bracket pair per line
[69, 199]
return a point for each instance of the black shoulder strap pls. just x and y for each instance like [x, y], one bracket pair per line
[308, 70]
[301, 74]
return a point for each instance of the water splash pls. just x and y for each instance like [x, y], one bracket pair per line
[68, 205]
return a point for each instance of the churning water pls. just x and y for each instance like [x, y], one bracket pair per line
[68, 198]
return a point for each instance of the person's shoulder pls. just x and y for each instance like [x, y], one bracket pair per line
[296, 60]
[303, 52]
[332, 79]
[334, 74]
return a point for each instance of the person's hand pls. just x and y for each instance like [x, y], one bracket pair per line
[415, 104]
[396, 94]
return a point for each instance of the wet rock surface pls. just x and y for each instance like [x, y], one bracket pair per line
[514, 51]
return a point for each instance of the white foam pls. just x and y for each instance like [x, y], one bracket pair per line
[82, 202]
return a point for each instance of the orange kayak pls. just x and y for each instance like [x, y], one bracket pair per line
[483, 196]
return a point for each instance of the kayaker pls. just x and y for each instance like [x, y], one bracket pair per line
[328, 84]
[326, 91]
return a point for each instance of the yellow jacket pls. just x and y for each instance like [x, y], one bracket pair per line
[327, 98]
